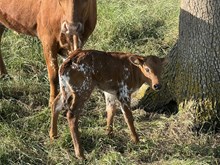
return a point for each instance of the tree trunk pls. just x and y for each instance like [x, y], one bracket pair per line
[192, 77]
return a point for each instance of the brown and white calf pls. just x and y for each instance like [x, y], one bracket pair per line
[117, 74]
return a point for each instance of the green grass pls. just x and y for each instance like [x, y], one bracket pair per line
[142, 27]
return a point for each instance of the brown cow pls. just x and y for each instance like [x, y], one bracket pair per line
[117, 74]
[55, 22]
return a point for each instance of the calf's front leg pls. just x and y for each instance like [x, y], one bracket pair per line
[130, 121]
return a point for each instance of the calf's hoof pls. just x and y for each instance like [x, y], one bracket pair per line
[53, 135]
[80, 156]
[135, 139]
[109, 133]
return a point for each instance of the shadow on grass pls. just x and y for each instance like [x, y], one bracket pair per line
[139, 34]
[102, 143]
[25, 139]
[20, 99]
[142, 37]
[95, 141]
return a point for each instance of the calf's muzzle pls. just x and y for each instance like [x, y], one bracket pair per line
[157, 87]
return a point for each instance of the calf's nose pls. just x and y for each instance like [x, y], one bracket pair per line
[157, 87]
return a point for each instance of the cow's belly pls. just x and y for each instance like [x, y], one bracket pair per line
[18, 16]
[18, 27]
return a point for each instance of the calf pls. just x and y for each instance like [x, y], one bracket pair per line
[117, 74]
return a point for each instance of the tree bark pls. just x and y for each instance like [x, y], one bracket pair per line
[192, 77]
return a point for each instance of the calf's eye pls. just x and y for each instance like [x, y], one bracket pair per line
[147, 70]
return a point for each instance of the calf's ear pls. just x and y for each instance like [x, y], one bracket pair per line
[135, 60]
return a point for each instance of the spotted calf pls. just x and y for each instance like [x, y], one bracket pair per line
[117, 74]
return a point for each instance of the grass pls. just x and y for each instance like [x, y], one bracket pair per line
[142, 27]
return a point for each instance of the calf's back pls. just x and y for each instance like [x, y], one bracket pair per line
[106, 70]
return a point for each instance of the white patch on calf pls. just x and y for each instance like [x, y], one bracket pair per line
[124, 92]
[85, 85]
[84, 68]
[110, 98]
[108, 81]
[65, 91]
[59, 104]
[126, 73]
[74, 65]
[122, 109]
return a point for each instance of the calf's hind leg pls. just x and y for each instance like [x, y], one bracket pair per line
[110, 101]
[73, 118]
[55, 109]
[76, 105]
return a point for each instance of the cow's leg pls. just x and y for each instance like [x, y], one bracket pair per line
[50, 54]
[125, 107]
[3, 70]
[111, 110]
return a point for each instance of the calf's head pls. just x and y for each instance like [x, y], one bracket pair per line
[151, 67]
